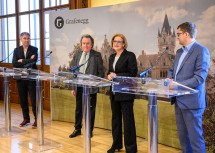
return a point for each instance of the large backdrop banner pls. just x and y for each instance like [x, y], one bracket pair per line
[149, 26]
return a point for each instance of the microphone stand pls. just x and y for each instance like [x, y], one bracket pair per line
[146, 71]
[6, 57]
[32, 63]
[77, 68]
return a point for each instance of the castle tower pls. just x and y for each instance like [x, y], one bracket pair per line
[166, 37]
[106, 51]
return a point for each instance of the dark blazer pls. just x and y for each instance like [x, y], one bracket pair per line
[94, 64]
[19, 54]
[125, 66]
[192, 73]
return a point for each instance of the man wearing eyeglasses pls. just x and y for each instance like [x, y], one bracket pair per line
[190, 68]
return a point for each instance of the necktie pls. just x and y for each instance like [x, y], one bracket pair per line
[83, 61]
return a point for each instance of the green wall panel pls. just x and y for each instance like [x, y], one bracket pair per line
[63, 109]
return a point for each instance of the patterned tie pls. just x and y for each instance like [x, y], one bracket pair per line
[83, 61]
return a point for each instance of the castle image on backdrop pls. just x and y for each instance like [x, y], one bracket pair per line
[166, 38]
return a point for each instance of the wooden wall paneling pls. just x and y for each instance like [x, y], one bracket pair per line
[46, 95]
[73, 4]
[14, 98]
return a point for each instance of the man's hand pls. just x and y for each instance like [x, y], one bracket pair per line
[20, 60]
[170, 83]
[32, 56]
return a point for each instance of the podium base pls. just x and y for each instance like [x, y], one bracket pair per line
[14, 131]
[35, 146]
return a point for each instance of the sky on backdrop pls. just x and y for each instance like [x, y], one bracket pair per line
[138, 21]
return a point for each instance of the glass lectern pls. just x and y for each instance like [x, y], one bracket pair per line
[8, 130]
[152, 88]
[40, 144]
[90, 83]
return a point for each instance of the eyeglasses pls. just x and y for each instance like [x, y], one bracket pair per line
[117, 42]
[178, 34]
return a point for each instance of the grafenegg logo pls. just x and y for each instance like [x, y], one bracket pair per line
[59, 22]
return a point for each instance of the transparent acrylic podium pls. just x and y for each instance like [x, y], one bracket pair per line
[40, 143]
[152, 88]
[8, 130]
[89, 83]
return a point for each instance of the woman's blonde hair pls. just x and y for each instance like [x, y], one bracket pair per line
[123, 38]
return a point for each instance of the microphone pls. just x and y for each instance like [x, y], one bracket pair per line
[74, 68]
[6, 57]
[146, 71]
[29, 65]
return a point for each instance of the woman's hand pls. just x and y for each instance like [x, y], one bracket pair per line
[111, 75]
[73, 93]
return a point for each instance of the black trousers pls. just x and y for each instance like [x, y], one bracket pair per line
[123, 110]
[78, 110]
[26, 87]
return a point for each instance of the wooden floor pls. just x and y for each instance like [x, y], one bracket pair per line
[58, 132]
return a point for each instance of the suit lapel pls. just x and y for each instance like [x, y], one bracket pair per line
[177, 60]
[28, 51]
[78, 58]
[22, 53]
[111, 62]
[120, 60]
[187, 56]
[90, 60]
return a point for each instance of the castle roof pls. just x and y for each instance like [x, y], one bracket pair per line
[166, 27]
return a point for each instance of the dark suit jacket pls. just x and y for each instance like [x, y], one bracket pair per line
[19, 54]
[94, 64]
[125, 66]
[192, 73]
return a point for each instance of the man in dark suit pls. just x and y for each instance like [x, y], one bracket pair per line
[93, 65]
[22, 56]
[190, 68]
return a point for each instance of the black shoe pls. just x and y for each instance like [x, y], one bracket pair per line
[75, 133]
[34, 126]
[112, 150]
[25, 122]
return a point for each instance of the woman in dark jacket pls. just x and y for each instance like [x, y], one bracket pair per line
[122, 63]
